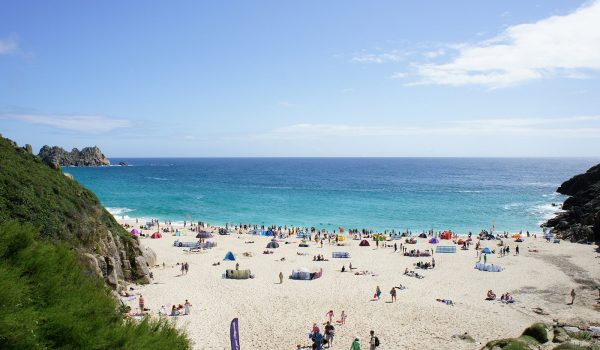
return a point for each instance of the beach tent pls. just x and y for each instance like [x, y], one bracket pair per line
[341, 238]
[229, 256]
[273, 244]
[364, 243]
[422, 235]
[204, 234]
[486, 250]
[135, 232]
[446, 235]
[488, 268]
[156, 235]
[434, 240]
[304, 274]
[516, 235]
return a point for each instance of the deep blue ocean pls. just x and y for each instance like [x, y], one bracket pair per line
[462, 194]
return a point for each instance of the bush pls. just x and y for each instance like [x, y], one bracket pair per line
[47, 301]
[538, 332]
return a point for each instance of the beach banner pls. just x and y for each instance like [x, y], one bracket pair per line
[234, 334]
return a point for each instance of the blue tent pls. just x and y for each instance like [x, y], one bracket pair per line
[229, 256]
[487, 250]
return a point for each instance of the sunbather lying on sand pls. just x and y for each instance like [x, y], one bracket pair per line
[217, 263]
[445, 301]
[249, 242]
[401, 287]
[491, 295]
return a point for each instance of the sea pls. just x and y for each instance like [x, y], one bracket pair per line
[414, 194]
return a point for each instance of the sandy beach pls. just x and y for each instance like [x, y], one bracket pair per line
[280, 316]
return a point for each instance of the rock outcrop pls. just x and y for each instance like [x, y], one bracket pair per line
[57, 156]
[580, 219]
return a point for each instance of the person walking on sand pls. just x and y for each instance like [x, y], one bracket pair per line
[377, 293]
[373, 342]
[355, 344]
[280, 277]
[182, 268]
[141, 303]
[330, 315]
[393, 294]
[187, 267]
[573, 296]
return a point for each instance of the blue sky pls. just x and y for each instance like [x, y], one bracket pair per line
[303, 78]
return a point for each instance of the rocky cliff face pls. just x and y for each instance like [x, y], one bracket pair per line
[57, 156]
[580, 220]
[66, 212]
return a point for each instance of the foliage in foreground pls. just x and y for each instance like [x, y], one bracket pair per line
[48, 301]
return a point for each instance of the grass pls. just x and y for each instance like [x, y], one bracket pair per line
[48, 301]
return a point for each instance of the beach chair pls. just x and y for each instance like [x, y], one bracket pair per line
[445, 249]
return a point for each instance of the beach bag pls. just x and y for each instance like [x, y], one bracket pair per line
[377, 341]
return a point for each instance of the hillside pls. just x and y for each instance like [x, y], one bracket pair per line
[64, 211]
[580, 220]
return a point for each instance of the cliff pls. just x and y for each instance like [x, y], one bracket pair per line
[57, 156]
[580, 219]
[66, 212]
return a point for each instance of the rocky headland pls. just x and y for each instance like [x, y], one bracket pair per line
[57, 156]
[580, 219]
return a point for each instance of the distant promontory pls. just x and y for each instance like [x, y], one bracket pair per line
[57, 156]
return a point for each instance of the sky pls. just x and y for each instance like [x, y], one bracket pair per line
[303, 78]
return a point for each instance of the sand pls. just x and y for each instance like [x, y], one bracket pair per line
[280, 316]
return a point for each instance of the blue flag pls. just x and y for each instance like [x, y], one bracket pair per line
[234, 334]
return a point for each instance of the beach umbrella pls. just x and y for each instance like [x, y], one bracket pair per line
[135, 232]
[516, 235]
[486, 250]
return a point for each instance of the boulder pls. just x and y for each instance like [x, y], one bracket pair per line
[141, 266]
[150, 256]
[560, 335]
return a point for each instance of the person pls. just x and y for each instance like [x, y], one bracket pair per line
[317, 341]
[373, 342]
[343, 268]
[517, 250]
[186, 267]
[393, 294]
[142, 303]
[280, 277]
[187, 307]
[355, 344]
[484, 259]
[162, 311]
[174, 311]
[329, 332]
[573, 296]
[330, 315]
[342, 319]
[377, 293]
[491, 295]
[182, 268]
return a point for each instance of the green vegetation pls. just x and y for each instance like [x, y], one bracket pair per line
[48, 301]
[538, 332]
[61, 208]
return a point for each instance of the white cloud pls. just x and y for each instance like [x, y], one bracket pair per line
[392, 56]
[81, 123]
[577, 126]
[8, 45]
[564, 46]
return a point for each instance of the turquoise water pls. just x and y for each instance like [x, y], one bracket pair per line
[378, 193]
